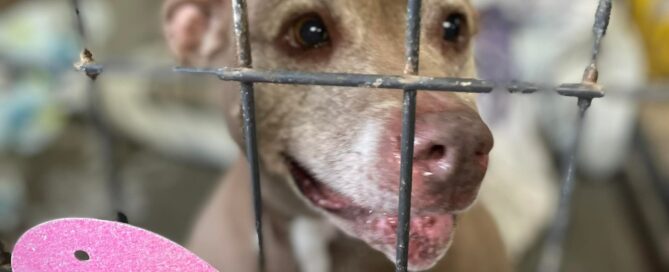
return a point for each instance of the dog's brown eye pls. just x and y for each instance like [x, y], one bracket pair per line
[310, 32]
[453, 27]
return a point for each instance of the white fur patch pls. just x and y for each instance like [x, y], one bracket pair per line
[363, 185]
[310, 238]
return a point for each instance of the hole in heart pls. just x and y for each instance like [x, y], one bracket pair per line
[81, 255]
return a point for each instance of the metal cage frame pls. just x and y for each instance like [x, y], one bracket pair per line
[247, 76]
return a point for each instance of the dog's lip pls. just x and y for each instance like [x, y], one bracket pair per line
[429, 237]
[318, 193]
[430, 233]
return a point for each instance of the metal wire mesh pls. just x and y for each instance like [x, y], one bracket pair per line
[584, 91]
[241, 26]
[87, 65]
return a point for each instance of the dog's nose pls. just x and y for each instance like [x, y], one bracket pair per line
[451, 148]
[450, 158]
[446, 142]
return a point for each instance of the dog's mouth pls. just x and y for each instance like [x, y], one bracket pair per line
[430, 233]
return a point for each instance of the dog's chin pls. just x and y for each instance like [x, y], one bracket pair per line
[430, 233]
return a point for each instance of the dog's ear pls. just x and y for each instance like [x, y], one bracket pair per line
[194, 29]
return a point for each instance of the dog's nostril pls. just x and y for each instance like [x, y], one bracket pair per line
[482, 159]
[481, 154]
[436, 152]
[482, 149]
[392, 222]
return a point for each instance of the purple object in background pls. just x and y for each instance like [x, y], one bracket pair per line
[86, 245]
[493, 46]
[494, 61]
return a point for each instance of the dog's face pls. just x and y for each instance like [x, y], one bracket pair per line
[338, 148]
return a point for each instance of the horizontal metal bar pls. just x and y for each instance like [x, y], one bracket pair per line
[584, 90]
[92, 69]
[346, 80]
[653, 92]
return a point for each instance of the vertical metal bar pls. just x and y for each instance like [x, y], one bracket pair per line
[551, 258]
[602, 18]
[552, 253]
[241, 25]
[80, 22]
[412, 38]
[99, 121]
[412, 46]
[243, 44]
[107, 146]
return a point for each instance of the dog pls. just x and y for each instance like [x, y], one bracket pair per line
[329, 156]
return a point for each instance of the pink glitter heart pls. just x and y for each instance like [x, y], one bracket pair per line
[86, 245]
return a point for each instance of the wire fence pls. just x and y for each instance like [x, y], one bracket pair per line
[585, 92]
[411, 83]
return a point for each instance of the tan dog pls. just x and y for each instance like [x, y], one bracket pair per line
[330, 155]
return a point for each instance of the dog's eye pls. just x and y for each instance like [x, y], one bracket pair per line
[310, 32]
[453, 27]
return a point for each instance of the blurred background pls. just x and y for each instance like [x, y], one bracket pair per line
[160, 143]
